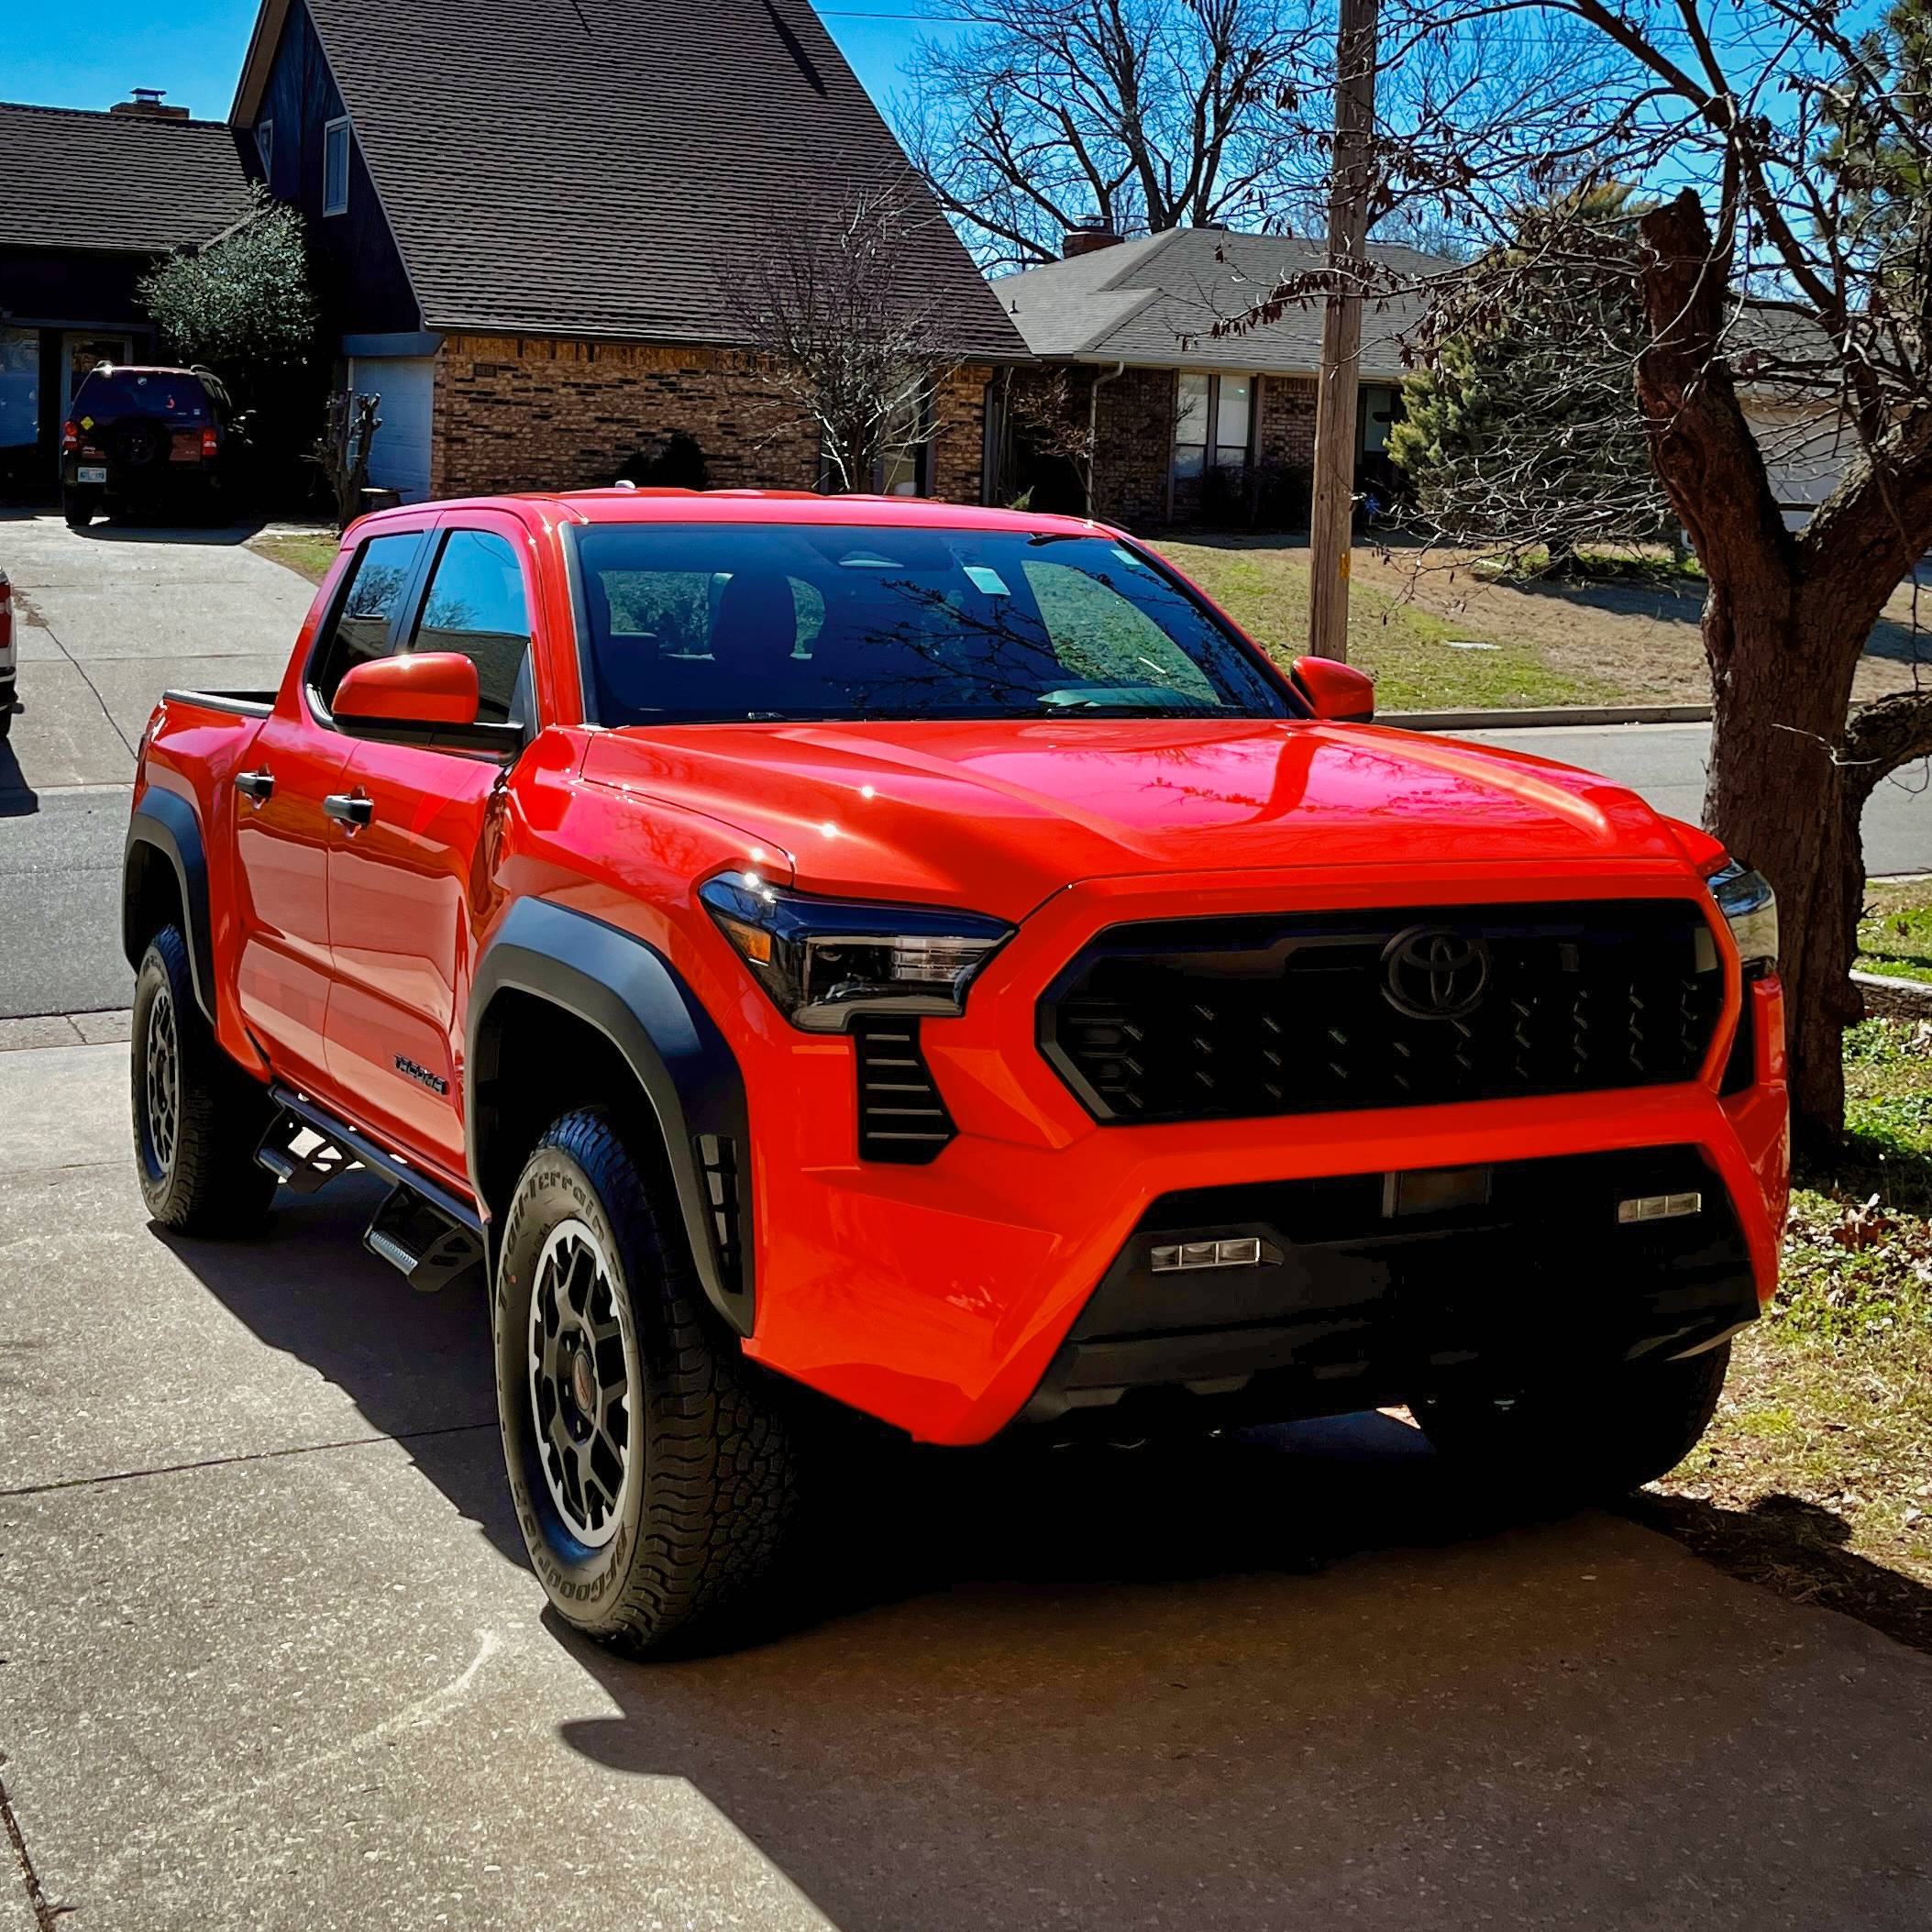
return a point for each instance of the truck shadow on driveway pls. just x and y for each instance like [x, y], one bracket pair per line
[1286, 1677]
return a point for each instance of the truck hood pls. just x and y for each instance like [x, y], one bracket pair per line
[997, 814]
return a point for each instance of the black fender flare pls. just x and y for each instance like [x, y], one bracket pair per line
[166, 822]
[629, 992]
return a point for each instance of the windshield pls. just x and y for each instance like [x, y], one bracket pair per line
[710, 622]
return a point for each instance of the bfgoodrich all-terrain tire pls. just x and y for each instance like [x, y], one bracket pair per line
[197, 1117]
[1593, 1436]
[651, 1468]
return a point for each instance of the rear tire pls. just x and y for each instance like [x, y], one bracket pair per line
[1585, 1438]
[78, 505]
[652, 1471]
[198, 1119]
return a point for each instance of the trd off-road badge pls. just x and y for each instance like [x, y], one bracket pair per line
[421, 1075]
[1430, 973]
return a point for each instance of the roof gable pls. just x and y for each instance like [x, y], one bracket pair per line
[1154, 302]
[590, 167]
[126, 183]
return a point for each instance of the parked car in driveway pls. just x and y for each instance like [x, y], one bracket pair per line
[930, 958]
[155, 441]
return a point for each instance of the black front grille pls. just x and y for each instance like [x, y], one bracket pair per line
[900, 1115]
[1190, 1020]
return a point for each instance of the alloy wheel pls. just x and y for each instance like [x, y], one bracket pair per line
[583, 1359]
[162, 1082]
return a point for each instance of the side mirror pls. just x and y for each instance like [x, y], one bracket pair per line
[429, 699]
[1338, 692]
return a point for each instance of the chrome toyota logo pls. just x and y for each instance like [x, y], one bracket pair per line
[1429, 973]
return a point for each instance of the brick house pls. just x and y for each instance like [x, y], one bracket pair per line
[528, 219]
[89, 203]
[1140, 415]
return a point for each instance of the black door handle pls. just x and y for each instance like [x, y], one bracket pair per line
[256, 785]
[347, 808]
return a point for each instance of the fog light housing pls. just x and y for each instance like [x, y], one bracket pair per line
[1658, 1208]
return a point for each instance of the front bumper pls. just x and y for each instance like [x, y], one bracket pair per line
[1323, 1296]
[942, 1298]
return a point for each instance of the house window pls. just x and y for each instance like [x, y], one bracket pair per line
[1214, 424]
[265, 148]
[1379, 408]
[334, 167]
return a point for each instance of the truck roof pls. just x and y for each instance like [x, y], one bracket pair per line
[764, 506]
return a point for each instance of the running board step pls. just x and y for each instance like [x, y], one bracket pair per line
[429, 1248]
[310, 1168]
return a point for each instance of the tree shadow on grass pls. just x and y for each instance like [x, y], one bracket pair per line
[1798, 1549]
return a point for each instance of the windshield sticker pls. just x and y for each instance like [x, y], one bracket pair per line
[986, 579]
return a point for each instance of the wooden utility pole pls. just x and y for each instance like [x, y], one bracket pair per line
[1331, 526]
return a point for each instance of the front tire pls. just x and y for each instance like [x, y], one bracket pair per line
[1582, 1439]
[198, 1119]
[651, 1468]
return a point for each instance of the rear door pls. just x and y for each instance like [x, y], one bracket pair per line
[283, 832]
[408, 891]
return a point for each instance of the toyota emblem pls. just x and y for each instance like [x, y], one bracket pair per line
[1430, 973]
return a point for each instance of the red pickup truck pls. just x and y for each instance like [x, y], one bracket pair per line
[809, 952]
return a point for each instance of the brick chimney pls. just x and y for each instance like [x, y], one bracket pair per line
[1093, 233]
[147, 105]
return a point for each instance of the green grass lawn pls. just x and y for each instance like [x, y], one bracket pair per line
[1264, 585]
[308, 555]
[1895, 934]
[1816, 1476]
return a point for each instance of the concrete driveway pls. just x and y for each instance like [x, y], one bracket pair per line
[109, 619]
[271, 1657]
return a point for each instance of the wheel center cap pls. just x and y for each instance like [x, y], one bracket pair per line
[583, 1382]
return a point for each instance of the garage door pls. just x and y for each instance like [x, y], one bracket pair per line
[400, 458]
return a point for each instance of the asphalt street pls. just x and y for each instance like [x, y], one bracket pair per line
[112, 617]
[105, 622]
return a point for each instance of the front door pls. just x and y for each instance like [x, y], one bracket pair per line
[410, 890]
[284, 830]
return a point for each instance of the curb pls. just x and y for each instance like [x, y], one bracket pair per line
[1546, 716]
[1889, 998]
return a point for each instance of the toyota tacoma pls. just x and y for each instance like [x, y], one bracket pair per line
[809, 954]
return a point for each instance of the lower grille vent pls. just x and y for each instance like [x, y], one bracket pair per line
[900, 1115]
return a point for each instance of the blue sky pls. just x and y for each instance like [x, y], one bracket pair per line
[70, 56]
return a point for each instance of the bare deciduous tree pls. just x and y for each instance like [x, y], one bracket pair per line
[1794, 267]
[1148, 113]
[348, 432]
[845, 324]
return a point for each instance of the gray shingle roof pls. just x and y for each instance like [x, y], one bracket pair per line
[70, 179]
[587, 167]
[1154, 302]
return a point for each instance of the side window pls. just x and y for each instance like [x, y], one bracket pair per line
[475, 606]
[377, 578]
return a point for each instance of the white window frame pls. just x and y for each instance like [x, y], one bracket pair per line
[328, 134]
[265, 148]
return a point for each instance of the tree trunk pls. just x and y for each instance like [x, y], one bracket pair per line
[1777, 798]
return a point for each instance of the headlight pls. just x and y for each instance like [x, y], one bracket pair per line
[1751, 910]
[822, 960]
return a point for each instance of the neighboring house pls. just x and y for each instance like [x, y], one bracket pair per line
[529, 220]
[1162, 421]
[88, 204]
